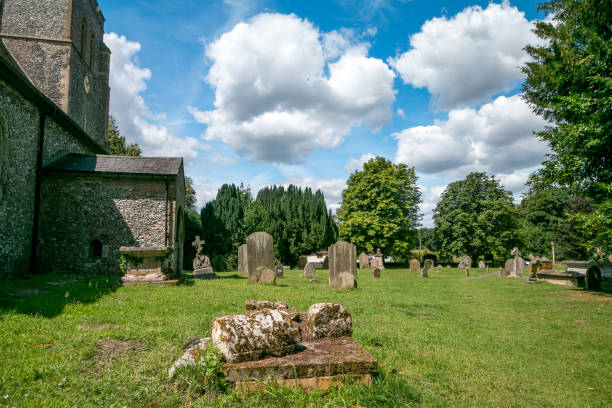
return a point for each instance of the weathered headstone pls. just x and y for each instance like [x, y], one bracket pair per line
[424, 273]
[515, 265]
[243, 260]
[415, 265]
[428, 264]
[310, 271]
[342, 261]
[248, 337]
[201, 264]
[481, 265]
[502, 272]
[379, 259]
[264, 275]
[260, 255]
[376, 273]
[278, 269]
[363, 260]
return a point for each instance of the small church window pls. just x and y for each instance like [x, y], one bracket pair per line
[92, 52]
[96, 248]
[83, 37]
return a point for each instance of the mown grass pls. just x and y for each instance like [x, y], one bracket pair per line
[441, 341]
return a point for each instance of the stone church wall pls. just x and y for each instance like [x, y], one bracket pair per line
[115, 210]
[18, 181]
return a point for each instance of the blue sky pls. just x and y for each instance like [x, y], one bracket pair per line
[302, 92]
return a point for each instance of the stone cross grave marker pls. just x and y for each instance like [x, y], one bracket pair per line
[260, 254]
[342, 265]
[201, 263]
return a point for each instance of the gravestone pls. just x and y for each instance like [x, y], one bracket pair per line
[342, 261]
[243, 260]
[363, 260]
[278, 269]
[376, 273]
[260, 255]
[379, 259]
[428, 264]
[201, 263]
[415, 265]
[310, 271]
[481, 265]
[515, 265]
[424, 273]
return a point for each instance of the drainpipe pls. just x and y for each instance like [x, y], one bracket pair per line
[39, 160]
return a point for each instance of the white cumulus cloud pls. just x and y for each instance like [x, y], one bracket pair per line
[355, 164]
[469, 57]
[136, 122]
[283, 88]
[497, 138]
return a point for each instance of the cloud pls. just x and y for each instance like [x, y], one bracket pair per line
[136, 122]
[355, 164]
[366, 10]
[283, 88]
[497, 138]
[469, 57]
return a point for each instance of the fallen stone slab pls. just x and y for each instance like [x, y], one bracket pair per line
[254, 335]
[327, 320]
[318, 363]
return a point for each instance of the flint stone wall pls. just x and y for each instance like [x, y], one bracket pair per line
[260, 253]
[342, 259]
[250, 337]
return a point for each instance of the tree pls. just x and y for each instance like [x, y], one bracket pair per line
[569, 83]
[379, 208]
[116, 142]
[193, 228]
[476, 217]
[190, 194]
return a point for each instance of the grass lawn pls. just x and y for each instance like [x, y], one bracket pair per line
[441, 341]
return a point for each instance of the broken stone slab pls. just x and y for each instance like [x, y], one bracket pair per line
[254, 335]
[327, 320]
[146, 264]
[189, 357]
[314, 360]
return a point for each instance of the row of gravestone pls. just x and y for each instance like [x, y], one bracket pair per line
[256, 259]
[375, 262]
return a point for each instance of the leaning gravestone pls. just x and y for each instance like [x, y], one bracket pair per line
[243, 260]
[260, 255]
[342, 265]
[310, 271]
[415, 265]
[363, 260]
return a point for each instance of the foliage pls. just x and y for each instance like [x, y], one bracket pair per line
[302, 261]
[193, 228]
[547, 215]
[476, 217]
[298, 220]
[205, 376]
[116, 142]
[427, 239]
[190, 194]
[596, 227]
[379, 208]
[569, 83]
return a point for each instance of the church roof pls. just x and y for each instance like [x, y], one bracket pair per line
[87, 163]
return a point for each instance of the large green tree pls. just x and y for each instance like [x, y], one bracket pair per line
[476, 217]
[116, 142]
[570, 84]
[379, 208]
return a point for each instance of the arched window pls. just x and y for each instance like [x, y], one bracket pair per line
[83, 37]
[96, 248]
[92, 52]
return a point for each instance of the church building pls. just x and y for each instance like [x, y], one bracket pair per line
[66, 206]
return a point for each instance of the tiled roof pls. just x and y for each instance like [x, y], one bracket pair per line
[85, 163]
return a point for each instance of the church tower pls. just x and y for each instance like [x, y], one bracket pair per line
[59, 46]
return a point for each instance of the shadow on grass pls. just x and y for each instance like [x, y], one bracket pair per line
[48, 295]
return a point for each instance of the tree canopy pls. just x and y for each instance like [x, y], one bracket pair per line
[379, 208]
[476, 217]
[116, 142]
[569, 83]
